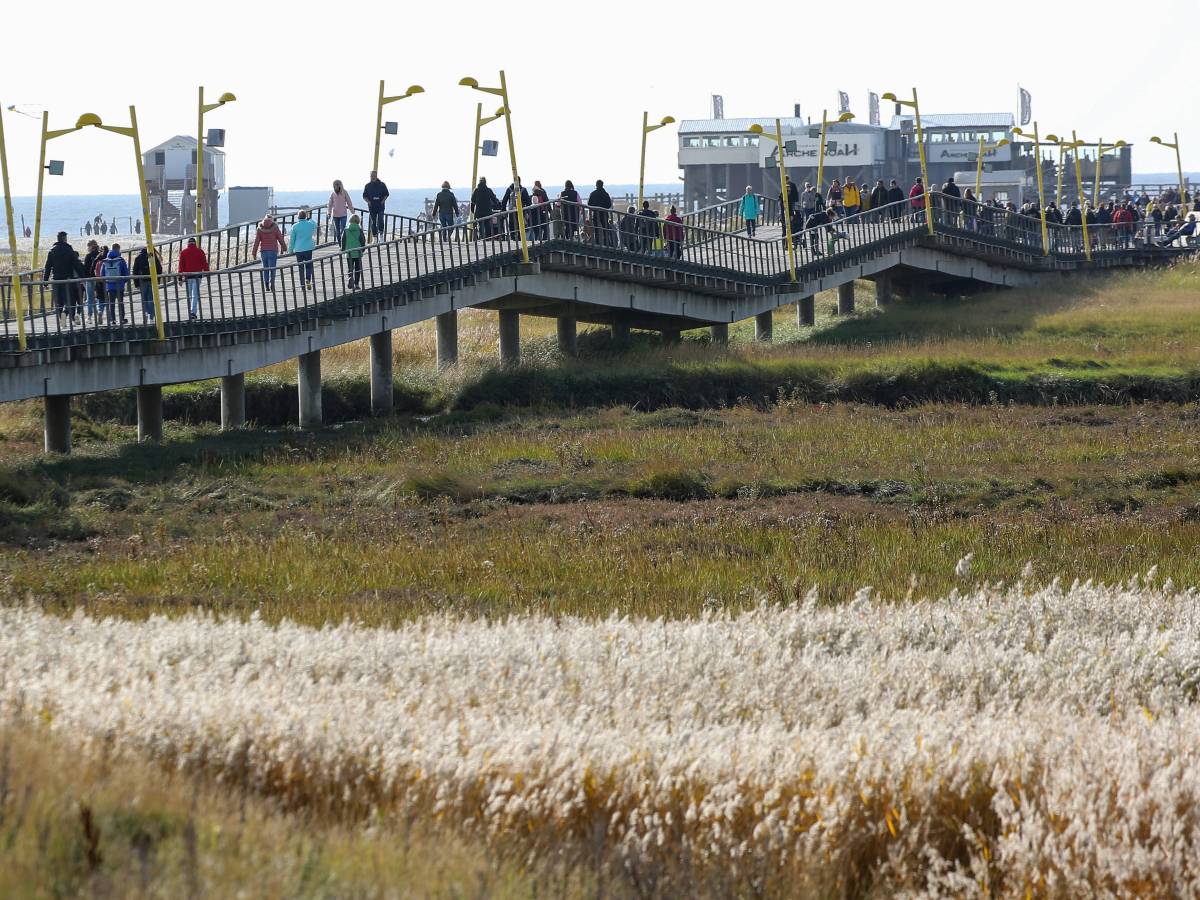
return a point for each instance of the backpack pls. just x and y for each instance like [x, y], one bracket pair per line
[111, 268]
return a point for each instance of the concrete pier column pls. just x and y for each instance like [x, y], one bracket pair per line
[764, 326]
[382, 389]
[58, 423]
[447, 339]
[620, 331]
[720, 334]
[806, 311]
[149, 410]
[671, 336]
[845, 299]
[510, 337]
[883, 290]
[233, 401]
[308, 385]
[567, 338]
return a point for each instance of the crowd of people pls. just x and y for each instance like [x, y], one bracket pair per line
[1163, 220]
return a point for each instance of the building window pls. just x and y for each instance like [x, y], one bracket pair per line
[160, 157]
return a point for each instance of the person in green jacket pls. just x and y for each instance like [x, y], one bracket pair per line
[353, 242]
[750, 210]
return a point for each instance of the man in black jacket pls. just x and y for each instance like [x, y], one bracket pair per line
[375, 194]
[62, 262]
[89, 270]
[600, 204]
[510, 203]
[895, 198]
[879, 199]
[483, 204]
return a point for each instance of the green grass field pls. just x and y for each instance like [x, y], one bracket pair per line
[1056, 429]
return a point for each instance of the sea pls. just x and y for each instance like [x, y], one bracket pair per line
[69, 212]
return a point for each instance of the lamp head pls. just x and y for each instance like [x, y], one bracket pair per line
[1156, 140]
[414, 89]
[755, 129]
[88, 119]
[468, 82]
[226, 98]
[889, 96]
[501, 110]
[1018, 131]
[667, 120]
[845, 117]
[1119, 144]
[1003, 142]
[1052, 139]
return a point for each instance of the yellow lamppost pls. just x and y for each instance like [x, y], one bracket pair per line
[1101, 149]
[984, 149]
[1074, 144]
[1037, 160]
[12, 241]
[1178, 162]
[777, 137]
[389, 127]
[55, 168]
[646, 129]
[204, 108]
[844, 117]
[916, 108]
[502, 93]
[132, 132]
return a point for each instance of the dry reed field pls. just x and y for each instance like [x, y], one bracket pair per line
[1006, 741]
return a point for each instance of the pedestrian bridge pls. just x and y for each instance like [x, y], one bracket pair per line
[584, 266]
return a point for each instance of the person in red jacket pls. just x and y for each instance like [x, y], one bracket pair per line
[673, 232]
[192, 264]
[916, 199]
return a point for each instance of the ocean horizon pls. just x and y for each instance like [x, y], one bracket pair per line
[69, 212]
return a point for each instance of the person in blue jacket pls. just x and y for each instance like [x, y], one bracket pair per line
[304, 242]
[115, 272]
[750, 210]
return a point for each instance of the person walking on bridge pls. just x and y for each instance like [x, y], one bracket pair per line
[269, 239]
[445, 205]
[375, 194]
[750, 210]
[352, 244]
[115, 271]
[600, 204]
[483, 205]
[193, 263]
[916, 199]
[810, 202]
[143, 282]
[63, 263]
[879, 199]
[340, 206]
[673, 233]
[789, 199]
[895, 197]
[304, 242]
[509, 203]
[570, 209]
[851, 198]
[89, 287]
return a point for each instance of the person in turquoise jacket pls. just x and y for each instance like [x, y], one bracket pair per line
[750, 210]
[304, 242]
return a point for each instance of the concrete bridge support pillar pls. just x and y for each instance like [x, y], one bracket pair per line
[764, 326]
[58, 423]
[510, 337]
[845, 299]
[382, 389]
[567, 339]
[308, 384]
[149, 410]
[883, 290]
[720, 334]
[447, 339]
[233, 401]
[806, 311]
[620, 332]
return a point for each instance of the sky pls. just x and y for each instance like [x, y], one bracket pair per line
[307, 77]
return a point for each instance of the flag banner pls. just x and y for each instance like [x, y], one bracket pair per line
[1026, 106]
[843, 102]
[873, 102]
[718, 106]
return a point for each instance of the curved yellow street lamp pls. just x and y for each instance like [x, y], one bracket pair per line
[1076, 144]
[984, 149]
[1101, 149]
[90, 119]
[204, 108]
[916, 108]
[502, 93]
[777, 137]
[1178, 163]
[55, 168]
[646, 129]
[389, 127]
[1036, 140]
[825, 123]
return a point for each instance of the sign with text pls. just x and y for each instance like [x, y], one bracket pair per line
[958, 152]
[840, 150]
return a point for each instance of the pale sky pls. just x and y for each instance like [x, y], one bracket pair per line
[307, 74]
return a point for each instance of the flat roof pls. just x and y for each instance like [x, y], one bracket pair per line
[736, 126]
[959, 120]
